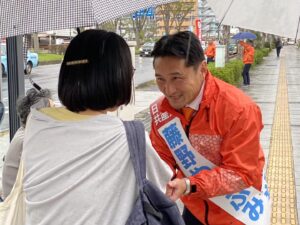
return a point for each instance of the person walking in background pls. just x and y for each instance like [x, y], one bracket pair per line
[248, 60]
[77, 159]
[33, 98]
[208, 132]
[278, 45]
[210, 51]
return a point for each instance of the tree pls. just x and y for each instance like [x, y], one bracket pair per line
[165, 12]
[226, 40]
[36, 44]
[182, 10]
[112, 25]
[173, 15]
[139, 20]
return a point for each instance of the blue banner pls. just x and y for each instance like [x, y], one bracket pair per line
[144, 12]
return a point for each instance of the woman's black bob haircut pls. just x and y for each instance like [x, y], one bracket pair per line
[96, 72]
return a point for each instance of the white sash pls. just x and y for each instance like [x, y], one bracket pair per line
[250, 206]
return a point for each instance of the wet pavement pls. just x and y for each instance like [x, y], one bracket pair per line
[275, 86]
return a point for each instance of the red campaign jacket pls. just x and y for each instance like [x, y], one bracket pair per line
[226, 130]
[248, 54]
[210, 52]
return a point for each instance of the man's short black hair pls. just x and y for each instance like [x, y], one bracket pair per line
[184, 45]
[96, 72]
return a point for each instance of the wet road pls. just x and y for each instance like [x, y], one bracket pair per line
[47, 76]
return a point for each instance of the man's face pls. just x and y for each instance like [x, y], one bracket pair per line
[179, 84]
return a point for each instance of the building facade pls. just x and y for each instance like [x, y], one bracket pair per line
[209, 24]
[178, 16]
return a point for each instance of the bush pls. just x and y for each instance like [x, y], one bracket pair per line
[237, 68]
[258, 57]
[231, 73]
[265, 51]
[260, 54]
[269, 45]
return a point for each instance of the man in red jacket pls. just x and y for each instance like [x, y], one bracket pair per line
[248, 59]
[208, 132]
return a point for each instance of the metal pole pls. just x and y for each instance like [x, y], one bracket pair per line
[0, 77]
[297, 30]
[15, 75]
[223, 19]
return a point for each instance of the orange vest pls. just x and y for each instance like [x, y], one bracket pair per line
[225, 130]
[210, 52]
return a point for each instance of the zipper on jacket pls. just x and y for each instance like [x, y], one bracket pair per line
[206, 212]
[187, 128]
[187, 131]
[207, 113]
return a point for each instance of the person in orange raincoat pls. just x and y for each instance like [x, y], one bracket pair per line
[210, 52]
[248, 60]
[224, 127]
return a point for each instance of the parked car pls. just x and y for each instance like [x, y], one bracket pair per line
[147, 49]
[232, 49]
[32, 61]
[290, 42]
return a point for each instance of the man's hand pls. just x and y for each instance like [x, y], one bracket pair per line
[175, 188]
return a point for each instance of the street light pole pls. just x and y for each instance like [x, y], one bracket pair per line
[297, 30]
[15, 76]
[224, 18]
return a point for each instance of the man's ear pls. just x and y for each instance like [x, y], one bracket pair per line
[203, 68]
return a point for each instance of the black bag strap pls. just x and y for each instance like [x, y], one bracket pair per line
[135, 133]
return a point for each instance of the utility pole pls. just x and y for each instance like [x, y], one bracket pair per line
[36, 42]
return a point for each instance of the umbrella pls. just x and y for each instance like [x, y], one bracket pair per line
[274, 16]
[24, 17]
[244, 35]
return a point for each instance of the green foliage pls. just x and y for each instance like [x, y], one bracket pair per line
[236, 66]
[270, 45]
[48, 57]
[231, 73]
[258, 57]
[265, 51]
[260, 54]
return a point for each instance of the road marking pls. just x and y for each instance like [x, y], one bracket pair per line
[280, 173]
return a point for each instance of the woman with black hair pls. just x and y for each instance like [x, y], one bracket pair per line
[76, 157]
